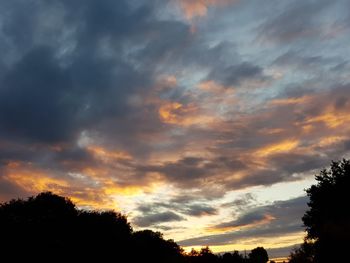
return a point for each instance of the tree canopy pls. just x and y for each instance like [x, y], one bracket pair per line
[327, 221]
[258, 255]
[50, 228]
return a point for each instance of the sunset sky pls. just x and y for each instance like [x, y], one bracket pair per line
[202, 119]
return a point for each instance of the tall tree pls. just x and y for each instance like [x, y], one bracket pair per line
[327, 221]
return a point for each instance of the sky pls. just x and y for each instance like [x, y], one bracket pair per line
[202, 119]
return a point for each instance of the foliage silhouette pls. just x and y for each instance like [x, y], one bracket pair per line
[152, 246]
[234, 257]
[49, 228]
[258, 255]
[303, 254]
[327, 221]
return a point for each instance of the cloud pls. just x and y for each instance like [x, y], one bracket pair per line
[242, 202]
[295, 21]
[234, 74]
[285, 217]
[189, 171]
[195, 8]
[153, 219]
[31, 99]
[191, 206]
[200, 210]
[8, 189]
[112, 102]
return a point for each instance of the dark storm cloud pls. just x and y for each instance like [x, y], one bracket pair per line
[156, 218]
[57, 88]
[285, 218]
[36, 99]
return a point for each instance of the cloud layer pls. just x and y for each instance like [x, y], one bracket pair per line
[187, 106]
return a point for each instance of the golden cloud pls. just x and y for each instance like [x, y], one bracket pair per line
[107, 155]
[280, 147]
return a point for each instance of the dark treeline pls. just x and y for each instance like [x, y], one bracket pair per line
[50, 228]
[327, 222]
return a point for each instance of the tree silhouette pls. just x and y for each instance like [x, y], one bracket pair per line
[327, 221]
[258, 255]
[303, 254]
[49, 228]
[234, 257]
[151, 247]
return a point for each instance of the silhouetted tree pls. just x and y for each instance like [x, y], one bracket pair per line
[234, 257]
[150, 246]
[258, 255]
[327, 221]
[49, 228]
[38, 227]
[303, 254]
[207, 256]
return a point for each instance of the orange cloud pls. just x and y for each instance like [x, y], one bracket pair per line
[167, 112]
[106, 155]
[213, 87]
[195, 8]
[178, 114]
[35, 180]
[327, 141]
[331, 118]
[280, 147]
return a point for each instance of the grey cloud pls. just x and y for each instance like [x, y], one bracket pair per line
[10, 190]
[235, 74]
[281, 251]
[242, 202]
[35, 99]
[49, 97]
[153, 219]
[188, 171]
[287, 216]
[244, 220]
[191, 207]
[200, 210]
[305, 62]
[297, 20]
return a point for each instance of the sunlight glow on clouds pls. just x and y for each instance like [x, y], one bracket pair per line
[208, 136]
